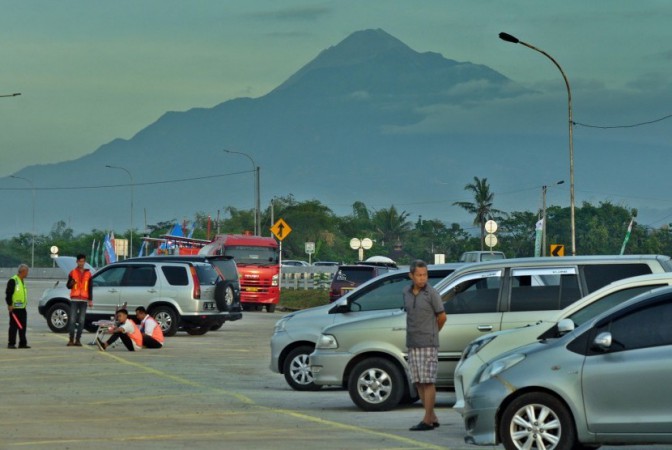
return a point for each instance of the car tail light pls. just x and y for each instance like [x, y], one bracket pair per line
[197, 283]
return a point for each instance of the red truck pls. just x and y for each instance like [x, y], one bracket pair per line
[257, 258]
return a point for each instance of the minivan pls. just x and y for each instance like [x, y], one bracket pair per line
[478, 298]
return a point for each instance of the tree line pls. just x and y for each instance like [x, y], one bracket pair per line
[600, 229]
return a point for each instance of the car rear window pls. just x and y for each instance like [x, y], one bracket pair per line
[227, 267]
[600, 275]
[354, 274]
[176, 275]
[207, 275]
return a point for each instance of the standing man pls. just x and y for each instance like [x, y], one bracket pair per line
[152, 334]
[127, 331]
[16, 297]
[81, 296]
[425, 317]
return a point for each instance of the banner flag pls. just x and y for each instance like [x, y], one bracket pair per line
[627, 235]
[537, 237]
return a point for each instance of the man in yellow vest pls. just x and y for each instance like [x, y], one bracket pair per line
[126, 330]
[16, 297]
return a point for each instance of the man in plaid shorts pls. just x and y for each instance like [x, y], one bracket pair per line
[425, 317]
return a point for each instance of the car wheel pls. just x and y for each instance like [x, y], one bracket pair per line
[57, 317]
[197, 331]
[296, 369]
[224, 295]
[376, 384]
[167, 318]
[537, 420]
[217, 326]
[270, 308]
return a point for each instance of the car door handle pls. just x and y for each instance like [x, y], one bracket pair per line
[398, 329]
[113, 290]
[484, 328]
[152, 291]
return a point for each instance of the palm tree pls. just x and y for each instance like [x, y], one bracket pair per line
[390, 225]
[482, 205]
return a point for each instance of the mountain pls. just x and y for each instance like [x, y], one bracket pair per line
[368, 119]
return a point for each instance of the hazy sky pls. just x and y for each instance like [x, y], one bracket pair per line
[91, 70]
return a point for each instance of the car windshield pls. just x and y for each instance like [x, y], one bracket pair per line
[246, 254]
[608, 302]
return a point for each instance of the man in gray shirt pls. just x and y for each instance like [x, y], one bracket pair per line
[425, 317]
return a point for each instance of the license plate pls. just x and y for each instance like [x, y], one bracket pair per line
[346, 290]
[252, 289]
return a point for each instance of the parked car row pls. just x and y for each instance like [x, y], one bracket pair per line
[191, 293]
[551, 298]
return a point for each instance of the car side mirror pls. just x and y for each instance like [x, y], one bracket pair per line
[603, 341]
[565, 326]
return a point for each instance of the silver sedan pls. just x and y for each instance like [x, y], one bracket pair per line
[607, 382]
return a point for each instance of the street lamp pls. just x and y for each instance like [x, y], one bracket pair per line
[257, 206]
[508, 38]
[543, 216]
[130, 250]
[11, 95]
[32, 188]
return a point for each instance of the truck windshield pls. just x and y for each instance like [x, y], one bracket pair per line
[245, 254]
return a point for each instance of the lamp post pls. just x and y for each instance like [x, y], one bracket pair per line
[543, 216]
[11, 95]
[257, 206]
[32, 188]
[508, 38]
[130, 250]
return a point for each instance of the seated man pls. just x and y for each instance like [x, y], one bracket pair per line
[127, 331]
[152, 335]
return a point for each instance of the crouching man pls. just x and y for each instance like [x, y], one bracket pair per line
[152, 335]
[126, 330]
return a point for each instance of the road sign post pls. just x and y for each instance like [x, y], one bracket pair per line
[310, 249]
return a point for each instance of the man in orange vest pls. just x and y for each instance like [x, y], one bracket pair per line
[152, 335]
[126, 330]
[81, 296]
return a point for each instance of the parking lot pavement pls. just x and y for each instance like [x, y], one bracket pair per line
[199, 392]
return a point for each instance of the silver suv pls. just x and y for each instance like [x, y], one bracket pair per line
[180, 295]
[369, 356]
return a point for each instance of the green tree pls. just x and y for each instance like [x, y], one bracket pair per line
[481, 207]
[390, 227]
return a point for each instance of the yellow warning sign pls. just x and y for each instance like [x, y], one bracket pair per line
[557, 250]
[280, 229]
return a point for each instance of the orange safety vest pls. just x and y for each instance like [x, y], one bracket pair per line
[80, 291]
[136, 335]
[157, 333]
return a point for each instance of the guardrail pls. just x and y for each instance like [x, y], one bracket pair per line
[290, 277]
[306, 277]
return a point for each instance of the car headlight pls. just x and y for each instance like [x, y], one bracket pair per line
[274, 280]
[475, 346]
[500, 365]
[327, 341]
[280, 324]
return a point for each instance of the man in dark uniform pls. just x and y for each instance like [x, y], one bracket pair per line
[16, 297]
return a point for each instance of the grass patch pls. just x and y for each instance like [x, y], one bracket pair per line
[294, 299]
